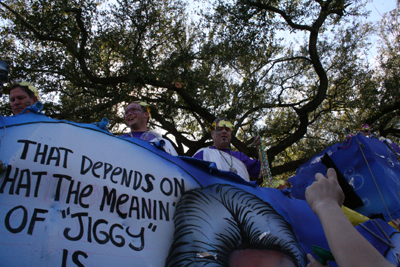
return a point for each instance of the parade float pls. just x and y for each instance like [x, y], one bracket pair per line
[73, 194]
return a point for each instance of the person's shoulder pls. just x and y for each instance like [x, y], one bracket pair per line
[235, 152]
[199, 153]
[204, 148]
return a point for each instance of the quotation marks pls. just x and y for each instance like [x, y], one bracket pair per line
[63, 213]
[153, 228]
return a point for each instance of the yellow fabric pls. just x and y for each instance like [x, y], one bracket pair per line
[357, 218]
[354, 217]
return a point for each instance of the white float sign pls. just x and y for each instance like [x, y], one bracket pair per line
[79, 197]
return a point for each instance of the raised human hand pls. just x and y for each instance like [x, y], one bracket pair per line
[324, 191]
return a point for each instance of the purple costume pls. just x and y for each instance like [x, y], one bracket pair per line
[140, 135]
[253, 165]
[150, 137]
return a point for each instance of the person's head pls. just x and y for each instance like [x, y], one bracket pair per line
[137, 115]
[222, 133]
[22, 95]
[365, 130]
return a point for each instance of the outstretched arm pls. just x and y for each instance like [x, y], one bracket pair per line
[348, 246]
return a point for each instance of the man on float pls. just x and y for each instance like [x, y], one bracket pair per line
[366, 131]
[22, 95]
[226, 159]
[137, 115]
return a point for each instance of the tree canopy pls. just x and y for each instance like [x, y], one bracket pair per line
[294, 72]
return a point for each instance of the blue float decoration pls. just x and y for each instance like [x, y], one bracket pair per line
[369, 166]
[75, 194]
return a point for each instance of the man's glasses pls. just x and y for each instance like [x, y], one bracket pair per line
[219, 129]
[132, 110]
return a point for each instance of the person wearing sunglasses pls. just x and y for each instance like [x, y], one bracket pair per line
[226, 159]
[137, 115]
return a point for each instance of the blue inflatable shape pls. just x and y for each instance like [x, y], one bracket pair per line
[369, 166]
